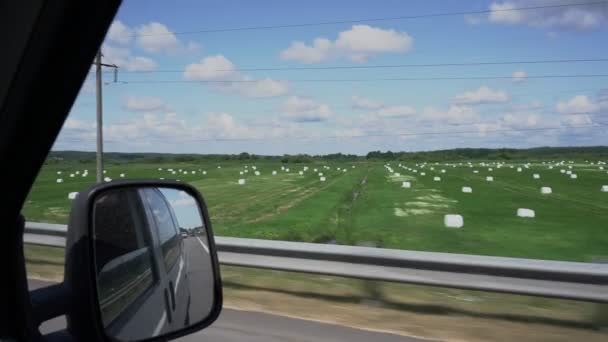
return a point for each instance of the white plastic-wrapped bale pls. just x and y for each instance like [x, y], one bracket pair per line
[287, 170]
[320, 174]
[423, 173]
[58, 172]
[122, 175]
[59, 180]
[283, 168]
[241, 181]
[219, 167]
[241, 173]
[489, 179]
[193, 172]
[437, 179]
[77, 172]
[274, 173]
[257, 173]
[322, 179]
[71, 175]
[254, 167]
[343, 170]
[72, 195]
[536, 176]
[406, 185]
[415, 171]
[397, 174]
[107, 179]
[524, 212]
[246, 171]
[467, 189]
[490, 169]
[301, 173]
[453, 221]
[315, 170]
[545, 190]
[442, 170]
[562, 171]
[519, 169]
[573, 176]
[475, 171]
[604, 188]
[173, 172]
[105, 171]
[568, 172]
[204, 172]
[162, 178]
[160, 169]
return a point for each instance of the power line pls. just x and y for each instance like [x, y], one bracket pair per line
[367, 20]
[396, 134]
[387, 79]
[384, 66]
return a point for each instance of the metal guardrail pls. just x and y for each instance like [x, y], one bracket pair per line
[545, 278]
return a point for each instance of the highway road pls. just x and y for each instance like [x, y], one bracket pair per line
[199, 277]
[238, 326]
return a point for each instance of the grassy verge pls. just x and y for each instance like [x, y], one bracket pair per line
[445, 314]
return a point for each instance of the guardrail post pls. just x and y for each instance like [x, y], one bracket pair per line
[372, 288]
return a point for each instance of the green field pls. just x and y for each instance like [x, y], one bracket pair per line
[366, 204]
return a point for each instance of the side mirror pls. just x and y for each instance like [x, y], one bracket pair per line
[141, 261]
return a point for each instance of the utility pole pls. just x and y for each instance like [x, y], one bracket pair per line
[98, 65]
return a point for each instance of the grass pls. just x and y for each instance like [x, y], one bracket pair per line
[366, 205]
[434, 313]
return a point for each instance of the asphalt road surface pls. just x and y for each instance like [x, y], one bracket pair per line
[237, 326]
[199, 277]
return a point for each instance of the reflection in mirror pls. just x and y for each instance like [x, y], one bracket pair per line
[154, 272]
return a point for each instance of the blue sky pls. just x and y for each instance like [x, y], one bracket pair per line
[180, 90]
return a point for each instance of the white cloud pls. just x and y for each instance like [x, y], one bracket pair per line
[519, 76]
[212, 68]
[364, 103]
[523, 120]
[119, 33]
[140, 63]
[224, 76]
[301, 109]
[454, 113]
[319, 51]
[396, 111]
[577, 104]
[481, 96]
[358, 44]
[121, 56]
[184, 200]
[144, 104]
[156, 37]
[75, 124]
[381, 110]
[578, 18]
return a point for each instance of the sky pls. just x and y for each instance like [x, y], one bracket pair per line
[280, 77]
[185, 208]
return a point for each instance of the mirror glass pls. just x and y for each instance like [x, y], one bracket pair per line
[154, 272]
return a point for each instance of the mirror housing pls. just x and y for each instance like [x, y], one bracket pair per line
[84, 317]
